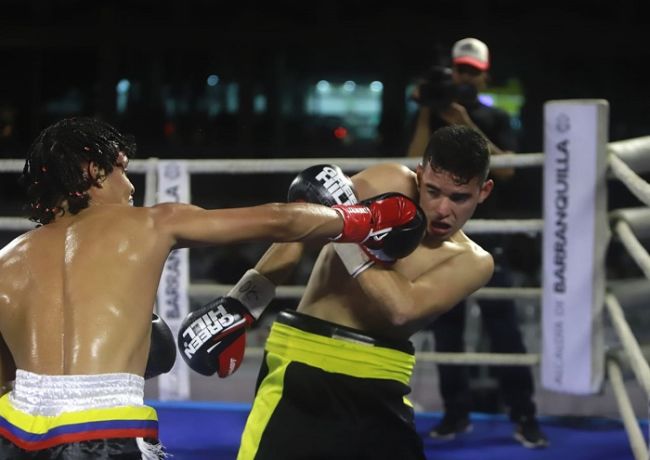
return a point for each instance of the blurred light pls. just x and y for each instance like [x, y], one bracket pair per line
[323, 86]
[259, 103]
[340, 132]
[212, 80]
[376, 87]
[486, 99]
[123, 86]
[169, 128]
[349, 86]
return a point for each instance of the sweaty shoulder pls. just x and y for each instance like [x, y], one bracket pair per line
[475, 256]
[383, 178]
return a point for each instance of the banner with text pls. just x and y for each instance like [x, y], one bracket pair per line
[576, 234]
[172, 301]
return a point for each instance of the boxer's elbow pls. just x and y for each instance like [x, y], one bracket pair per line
[399, 311]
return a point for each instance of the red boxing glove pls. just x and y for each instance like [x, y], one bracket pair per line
[376, 217]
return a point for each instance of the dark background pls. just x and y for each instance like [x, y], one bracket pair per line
[562, 50]
[556, 50]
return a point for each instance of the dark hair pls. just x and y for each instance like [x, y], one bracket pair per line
[459, 150]
[55, 168]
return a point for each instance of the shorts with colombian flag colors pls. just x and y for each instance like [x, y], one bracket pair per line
[327, 391]
[78, 417]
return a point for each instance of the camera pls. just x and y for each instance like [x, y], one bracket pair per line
[437, 91]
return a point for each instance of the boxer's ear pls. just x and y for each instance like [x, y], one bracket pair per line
[95, 173]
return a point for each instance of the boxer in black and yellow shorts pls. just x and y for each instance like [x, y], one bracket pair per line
[327, 391]
[75, 417]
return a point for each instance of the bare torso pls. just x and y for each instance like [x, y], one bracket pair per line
[76, 295]
[333, 295]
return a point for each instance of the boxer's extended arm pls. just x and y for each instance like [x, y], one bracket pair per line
[189, 225]
[434, 292]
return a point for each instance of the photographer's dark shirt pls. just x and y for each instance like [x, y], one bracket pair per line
[495, 124]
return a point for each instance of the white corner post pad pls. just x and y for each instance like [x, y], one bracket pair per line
[355, 260]
[255, 291]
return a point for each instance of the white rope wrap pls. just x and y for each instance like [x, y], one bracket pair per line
[354, 259]
[255, 291]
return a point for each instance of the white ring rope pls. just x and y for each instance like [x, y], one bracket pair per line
[467, 358]
[459, 359]
[212, 290]
[635, 183]
[638, 362]
[637, 443]
[503, 226]
[634, 152]
[478, 226]
[634, 247]
[295, 165]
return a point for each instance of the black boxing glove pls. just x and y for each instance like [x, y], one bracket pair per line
[328, 185]
[162, 351]
[322, 184]
[212, 339]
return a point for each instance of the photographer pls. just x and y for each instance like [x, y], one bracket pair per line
[450, 97]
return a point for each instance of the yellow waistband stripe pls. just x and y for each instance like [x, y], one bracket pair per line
[340, 355]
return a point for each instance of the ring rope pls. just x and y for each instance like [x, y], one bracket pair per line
[479, 226]
[637, 186]
[635, 152]
[504, 226]
[494, 359]
[460, 359]
[638, 362]
[293, 165]
[633, 245]
[212, 290]
[637, 442]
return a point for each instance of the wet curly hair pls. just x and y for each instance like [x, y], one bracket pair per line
[55, 167]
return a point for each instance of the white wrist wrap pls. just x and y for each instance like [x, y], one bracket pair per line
[353, 257]
[254, 291]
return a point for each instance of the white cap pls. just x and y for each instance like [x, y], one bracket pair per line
[472, 52]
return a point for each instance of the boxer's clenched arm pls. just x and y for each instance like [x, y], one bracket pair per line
[279, 261]
[432, 293]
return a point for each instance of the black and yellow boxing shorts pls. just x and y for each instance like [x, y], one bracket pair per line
[327, 391]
